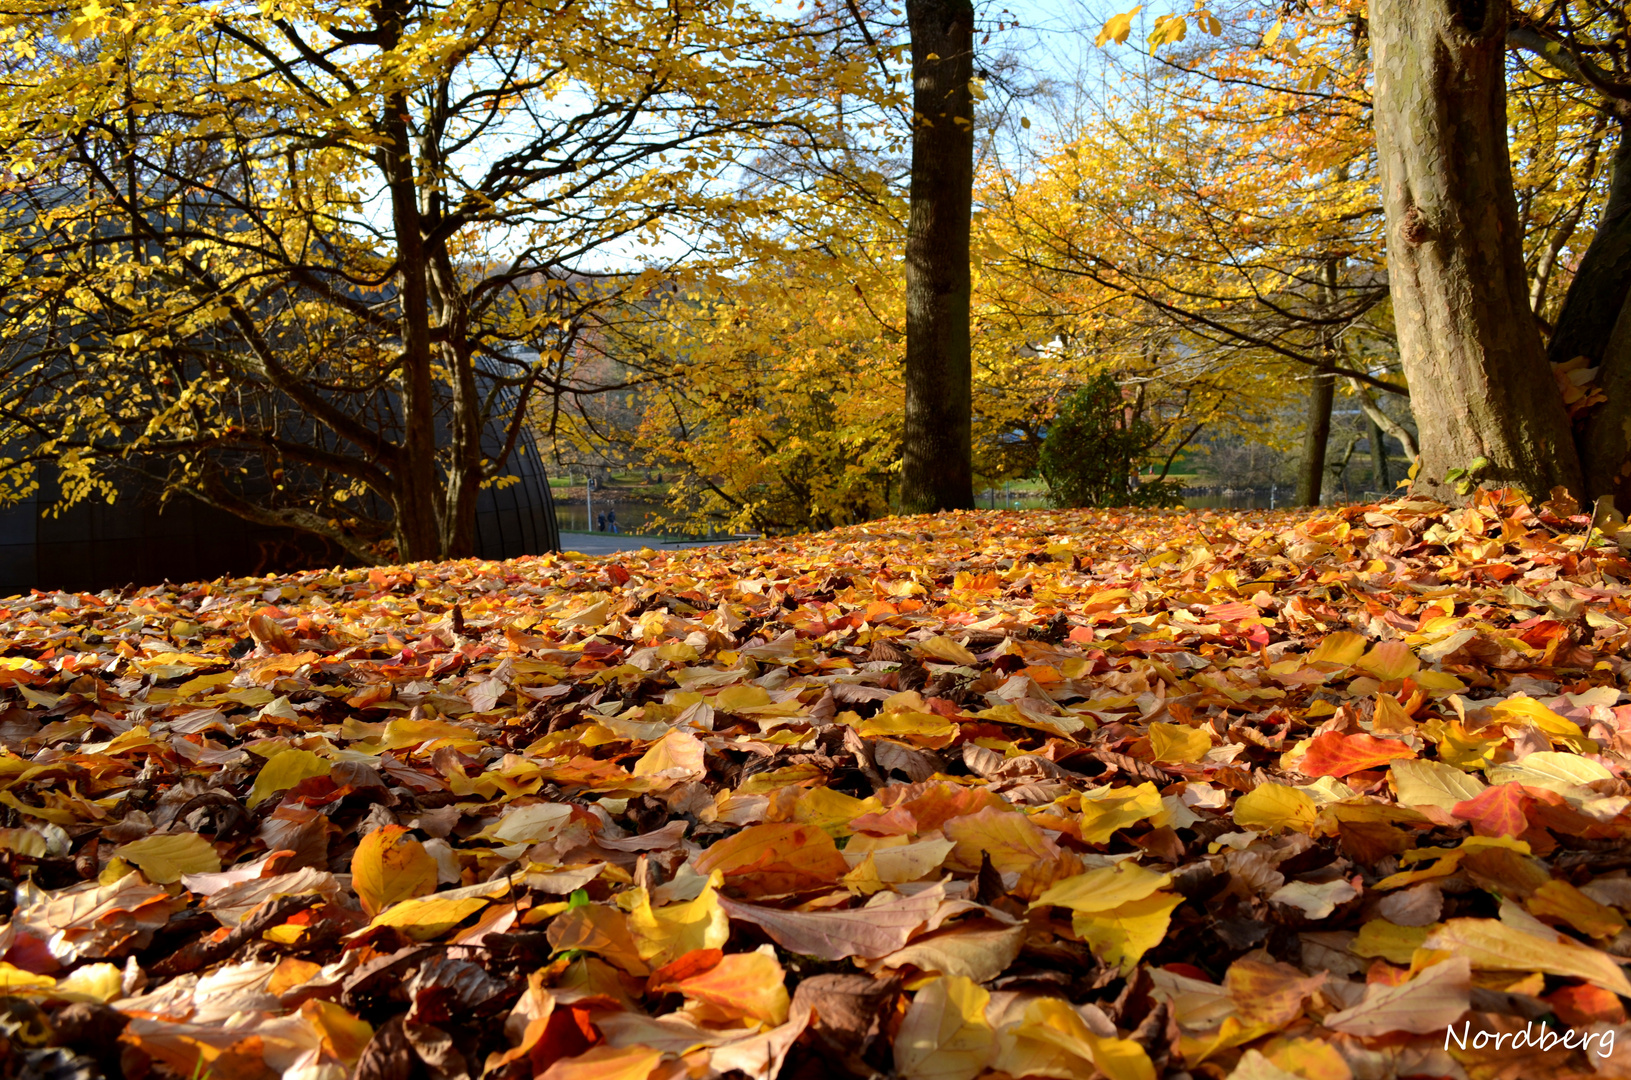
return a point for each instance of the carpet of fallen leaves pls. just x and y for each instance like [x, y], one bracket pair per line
[1044, 794]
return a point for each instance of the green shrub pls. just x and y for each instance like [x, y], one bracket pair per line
[1094, 448]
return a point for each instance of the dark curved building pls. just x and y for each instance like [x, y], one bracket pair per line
[98, 546]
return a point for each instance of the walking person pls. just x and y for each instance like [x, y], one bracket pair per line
[600, 522]
[611, 519]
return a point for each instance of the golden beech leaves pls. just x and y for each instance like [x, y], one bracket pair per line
[390, 866]
[944, 1035]
[830, 805]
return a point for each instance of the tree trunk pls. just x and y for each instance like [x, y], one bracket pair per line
[1602, 279]
[1378, 459]
[936, 445]
[1389, 426]
[416, 485]
[1592, 323]
[1480, 386]
[1317, 431]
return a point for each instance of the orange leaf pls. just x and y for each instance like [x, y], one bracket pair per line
[1331, 754]
[606, 1063]
[1583, 1005]
[1498, 811]
[691, 964]
[767, 860]
[1269, 994]
[934, 804]
[750, 985]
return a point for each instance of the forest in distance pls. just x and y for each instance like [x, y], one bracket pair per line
[336, 277]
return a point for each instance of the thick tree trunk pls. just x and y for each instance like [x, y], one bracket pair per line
[1316, 433]
[936, 446]
[1480, 386]
[1593, 323]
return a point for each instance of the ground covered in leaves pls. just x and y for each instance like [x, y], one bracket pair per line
[987, 794]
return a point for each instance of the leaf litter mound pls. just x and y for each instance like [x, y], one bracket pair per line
[1048, 794]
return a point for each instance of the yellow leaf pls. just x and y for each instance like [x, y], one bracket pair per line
[1117, 27]
[390, 866]
[906, 725]
[832, 811]
[98, 982]
[1558, 899]
[1494, 946]
[1522, 709]
[426, 917]
[344, 1036]
[1169, 29]
[1013, 842]
[1553, 770]
[1390, 660]
[1106, 809]
[1122, 935]
[1272, 807]
[669, 932]
[1103, 889]
[606, 1063]
[284, 770]
[944, 648]
[1342, 648]
[401, 734]
[1052, 1039]
[165, 857]
[1432, 783]
[1393, 943]
[944, 1035]
[734, 698]
[679, 751]
[1175, 742]
[14, 979]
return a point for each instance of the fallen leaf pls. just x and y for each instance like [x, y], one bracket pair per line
[389, 866]
[944, 1035]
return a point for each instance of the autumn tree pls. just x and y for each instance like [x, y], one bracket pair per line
[936, 448]
[1216, 198]
[303, 262]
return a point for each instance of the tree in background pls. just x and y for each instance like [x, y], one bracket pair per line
[1095, 447]
[1219, 191]
[297, 260]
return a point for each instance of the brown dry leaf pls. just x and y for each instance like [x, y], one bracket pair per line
[1430, 1001]
[867, 933]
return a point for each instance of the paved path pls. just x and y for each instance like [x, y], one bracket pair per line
[596, 543]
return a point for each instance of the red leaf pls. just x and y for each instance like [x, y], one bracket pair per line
[1331, 754]
[1502, 810]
